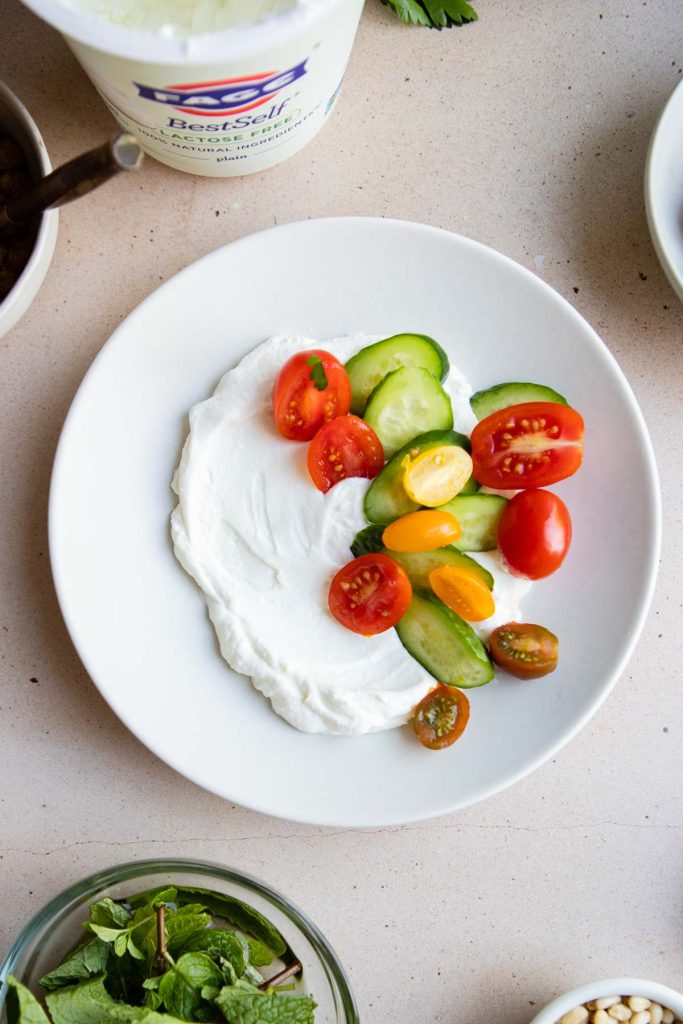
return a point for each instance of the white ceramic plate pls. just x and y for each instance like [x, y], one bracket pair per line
[139, 622]
[664, 189]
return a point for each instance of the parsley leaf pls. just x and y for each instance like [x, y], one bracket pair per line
[317, 373]
[433, 13]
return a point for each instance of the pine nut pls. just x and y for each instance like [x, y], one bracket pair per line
[667, 1016]
[601, 1017]
[641, 1017]
[656, 1013]
[575, 1016]
[638, 1003]
[620, 1012]
[605, 1002]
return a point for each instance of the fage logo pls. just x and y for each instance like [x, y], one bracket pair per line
[228, 96]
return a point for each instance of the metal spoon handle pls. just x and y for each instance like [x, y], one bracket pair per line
[74, 179]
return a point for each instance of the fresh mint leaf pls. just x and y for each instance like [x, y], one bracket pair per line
[86, 960]
[21, 1006]
[218, 942]
[230, 909]
[433, 13]
[259, 954]
[317, 373]
[104, 932]
[183, 925]
[90, 1003]
[181, 986]
[109, 913]
[243, 1004]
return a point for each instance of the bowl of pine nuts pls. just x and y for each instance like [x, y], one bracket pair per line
[615, 1001]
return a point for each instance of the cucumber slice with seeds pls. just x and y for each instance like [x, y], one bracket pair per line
[386, 498]
[419, 564]
[369, 366]
[478, 515]
[484, 403]
[443, 643]
[407, 402]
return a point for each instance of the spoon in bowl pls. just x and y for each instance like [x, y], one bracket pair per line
[122, 152]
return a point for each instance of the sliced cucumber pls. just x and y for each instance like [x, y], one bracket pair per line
[386, 498]
[367, 541]
[478, 515]
[369, 366]
[419, 564]
[502, 395]
[443, 643]
[407, 402]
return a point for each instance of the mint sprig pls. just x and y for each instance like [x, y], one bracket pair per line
[433, 13]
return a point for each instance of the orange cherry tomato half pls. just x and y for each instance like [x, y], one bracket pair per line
[310, 389]
[421, 531]
[463, 591]
[534, 533]
[344, 447]
[524, 650]
[370, 594]
[529, 445]
[440, 717]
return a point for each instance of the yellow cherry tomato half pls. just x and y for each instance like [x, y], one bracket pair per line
[463, 591]
[421, 531]
[437, 475]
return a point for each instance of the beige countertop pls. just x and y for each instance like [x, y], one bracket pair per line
[527, 131]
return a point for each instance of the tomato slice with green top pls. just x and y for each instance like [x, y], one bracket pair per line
[529, 445]
[310, 389]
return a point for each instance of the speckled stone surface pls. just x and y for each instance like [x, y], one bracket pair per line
[527, 131]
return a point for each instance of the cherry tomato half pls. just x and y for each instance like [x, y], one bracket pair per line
[534, 533]
[463, 591]
[346, 446]
[310, 389]
[529, 445]
[440, 717]
[421, 531]
[524, 650]
[370, 594]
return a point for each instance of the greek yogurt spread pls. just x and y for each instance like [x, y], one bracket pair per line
[263, 544]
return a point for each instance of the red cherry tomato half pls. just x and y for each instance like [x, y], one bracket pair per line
[524, 649]
[346, 446]
[529, 445]
[534, 533]
[370, 594]
[310, 389]
[440, 717]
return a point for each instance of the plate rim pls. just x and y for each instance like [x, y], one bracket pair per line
[651, 209]
[653, 491]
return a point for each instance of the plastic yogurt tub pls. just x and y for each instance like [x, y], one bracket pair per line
[220, 103]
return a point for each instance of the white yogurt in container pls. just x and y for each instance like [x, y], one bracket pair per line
[213, 87]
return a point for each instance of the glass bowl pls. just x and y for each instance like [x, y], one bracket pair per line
[55, 929]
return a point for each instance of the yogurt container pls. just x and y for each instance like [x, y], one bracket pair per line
[220, 103]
